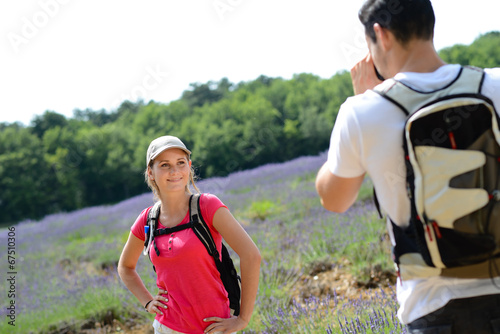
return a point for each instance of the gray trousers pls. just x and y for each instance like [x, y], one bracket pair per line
[476, 315]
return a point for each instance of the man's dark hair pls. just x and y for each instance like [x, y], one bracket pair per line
[406, 19]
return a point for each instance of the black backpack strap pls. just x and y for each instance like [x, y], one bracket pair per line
[377, 204]
[154, 231]
[228, 274]
[164, 231]
[201, 228]
[197, 223]
[168, 230]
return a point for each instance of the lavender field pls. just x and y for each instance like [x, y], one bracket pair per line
[321, 272]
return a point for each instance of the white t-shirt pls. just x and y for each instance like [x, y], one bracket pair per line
[368, 138]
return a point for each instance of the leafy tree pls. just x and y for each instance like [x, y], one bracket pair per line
[63, 158]
[210, 92]
[234, 133]
[123, 175]
[48, 120]
[457, 54]
[15, 125]
[24, 176]
[127, 111]
[96, 117]
[106, 169]
[261, 82]
[309, 110]
[483, 52]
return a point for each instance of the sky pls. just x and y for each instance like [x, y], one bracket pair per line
[62, 55]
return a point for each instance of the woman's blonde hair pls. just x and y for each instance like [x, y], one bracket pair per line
[154, 187]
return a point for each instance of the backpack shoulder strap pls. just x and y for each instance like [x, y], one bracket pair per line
[468, 81]
[201, 228]
[151, 226]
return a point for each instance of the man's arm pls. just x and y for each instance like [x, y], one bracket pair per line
[337, 194]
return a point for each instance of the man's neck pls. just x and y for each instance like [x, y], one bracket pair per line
[418, 56]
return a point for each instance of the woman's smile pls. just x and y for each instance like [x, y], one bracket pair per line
[175, 180]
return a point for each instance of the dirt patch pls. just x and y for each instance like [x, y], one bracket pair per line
[107, 323]
[74, 268]
[118, 327]
[328, 279]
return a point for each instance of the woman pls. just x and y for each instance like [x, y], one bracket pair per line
[191, 297]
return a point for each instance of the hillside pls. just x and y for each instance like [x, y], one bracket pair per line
[320, 270]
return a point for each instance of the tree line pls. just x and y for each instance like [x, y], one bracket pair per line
[97, 156]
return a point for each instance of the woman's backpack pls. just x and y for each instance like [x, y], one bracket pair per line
[228, 274]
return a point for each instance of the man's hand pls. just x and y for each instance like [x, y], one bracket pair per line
[363, 75]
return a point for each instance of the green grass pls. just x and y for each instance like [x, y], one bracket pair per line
[263, 209]
[72, 311]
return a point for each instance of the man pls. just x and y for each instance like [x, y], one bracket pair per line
[368, 138]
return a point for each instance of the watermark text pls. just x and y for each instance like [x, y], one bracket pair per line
[11, 276]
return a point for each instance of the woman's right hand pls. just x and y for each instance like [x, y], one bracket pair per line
[158, 303]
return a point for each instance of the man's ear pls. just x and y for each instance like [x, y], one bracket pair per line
[384, 37]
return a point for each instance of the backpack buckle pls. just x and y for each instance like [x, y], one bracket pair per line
[496, 195]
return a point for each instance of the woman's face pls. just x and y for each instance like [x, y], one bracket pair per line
[171, 170]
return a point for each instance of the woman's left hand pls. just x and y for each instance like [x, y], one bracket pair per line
[225, 326]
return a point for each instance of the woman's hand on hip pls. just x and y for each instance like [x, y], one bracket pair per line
[225, 326]
[158, 303]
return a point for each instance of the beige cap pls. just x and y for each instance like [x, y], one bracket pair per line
[161, 144]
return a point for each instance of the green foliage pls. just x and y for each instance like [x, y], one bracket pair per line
[210, 92]
[483, 52]
[48, 120]
[24, 176]
[96, 117]
[262, 209]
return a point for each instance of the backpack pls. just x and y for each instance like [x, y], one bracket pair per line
[452, 154]
[228, 274]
